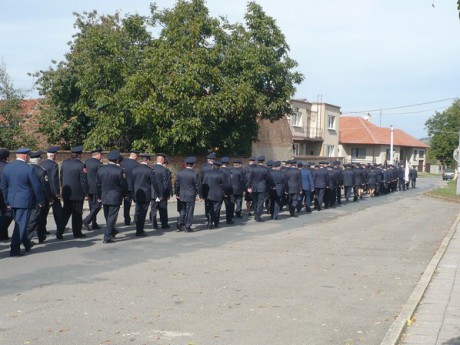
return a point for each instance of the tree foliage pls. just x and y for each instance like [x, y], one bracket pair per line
[179, 81]
[443, 128]
[12, 134]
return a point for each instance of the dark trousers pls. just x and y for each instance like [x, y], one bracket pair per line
[229, 208]
[72, 208]
[21, 220]
[347, 192]
[111, 215]
[141, 213]
[338, 195]
[186, 214]
[293, 197]
[305, 197]
[6, 218]
[214, 208]
[94, 208]
[401, 184]
[412, 182]
[238, 203]
[127, 201]
[37, 223]
[319, 192]
[57, 213]
[275, 204]
[258, 204]
[162, 208]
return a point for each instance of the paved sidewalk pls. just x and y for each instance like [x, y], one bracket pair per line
[437, 318]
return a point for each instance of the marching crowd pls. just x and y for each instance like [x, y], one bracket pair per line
[31, 186]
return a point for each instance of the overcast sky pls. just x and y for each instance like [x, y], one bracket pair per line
[361, 55]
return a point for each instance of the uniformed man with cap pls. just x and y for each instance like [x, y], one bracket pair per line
[6, 215]
[52, 169]
[37, 221]
[213, 193]
[277, 189]
[74, 186]
[348, 181]
[207, 166]
[228, 190]
[321, 182]
[128, 165]
[292, 185]
[186, 188]
[111, 188]
[92, 167]
[247, 195]
[160, 199]
[21, 192]
[238, 186]
[145, 189]
[259, 179]
[308, 188]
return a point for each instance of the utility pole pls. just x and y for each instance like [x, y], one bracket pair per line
[391, 144]
[457, 158]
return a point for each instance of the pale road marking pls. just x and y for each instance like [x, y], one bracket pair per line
[170, 334]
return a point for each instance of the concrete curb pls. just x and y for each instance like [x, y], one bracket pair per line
[399, 324]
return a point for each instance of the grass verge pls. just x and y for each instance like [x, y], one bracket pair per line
[447, 192]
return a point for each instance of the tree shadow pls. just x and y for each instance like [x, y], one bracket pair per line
[453, 341]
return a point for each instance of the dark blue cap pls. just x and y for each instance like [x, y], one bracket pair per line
[308, 164]
[270, 163]
[252, 159]
[23, 151]
[113, 155]
[96, 150]
[299, 164]
[134, 151]
[145, 155]
[52, 149]
[35, 154]
[77, 149]
[160, 154]
[190, 160]
[225, 160]
[237, 161]
[261, 158]
[212, 155]
[218, 163]
[276, 164]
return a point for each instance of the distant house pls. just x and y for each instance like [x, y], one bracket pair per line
[362, 141]
[311, 132]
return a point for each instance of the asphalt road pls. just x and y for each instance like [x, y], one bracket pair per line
[338, 276]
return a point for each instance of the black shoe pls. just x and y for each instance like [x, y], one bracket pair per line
[165, 227]
[210, 226]
[47, 232]
[95, 226]
[17, 254]
[230, 222]
[238, 215]
[59, 237]
[87, 226]
[141, 234]
[189, 229]
[127, 222]
[79, 236]
[41, 240]
[110, 240]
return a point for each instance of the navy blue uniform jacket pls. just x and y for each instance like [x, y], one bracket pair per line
[111, 184]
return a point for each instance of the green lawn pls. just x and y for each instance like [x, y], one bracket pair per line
[448, 192]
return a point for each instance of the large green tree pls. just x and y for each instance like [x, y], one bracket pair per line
[12, 133]
[179, 80]
[443, 128]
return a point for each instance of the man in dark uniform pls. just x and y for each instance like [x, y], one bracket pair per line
[307, 188]
[21, 192]
[6, 215]
[413, 176]
[348, 181]
[92, 167]
[37, 220]
[143, 185]
[247, 195]
[52, 169]
[160, 201]
[74, 191]
[321, 182]
[259, 179]
[238, 187]
[228, 190]
[186, 188]
[292, 185]
[128, 165]
[338, 171]
[358, 179]
[111, 188]
[213, 193]
[205, 168]
[277, 189]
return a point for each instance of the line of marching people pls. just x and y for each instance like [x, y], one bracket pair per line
[31, 186]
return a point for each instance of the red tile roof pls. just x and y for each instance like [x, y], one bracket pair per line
[356, 130]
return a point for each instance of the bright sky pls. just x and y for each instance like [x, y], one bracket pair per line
[362, 55]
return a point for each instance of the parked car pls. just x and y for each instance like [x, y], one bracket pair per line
[448, 174]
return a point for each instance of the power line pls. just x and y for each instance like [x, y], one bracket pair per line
[412, 112]
[400, 107]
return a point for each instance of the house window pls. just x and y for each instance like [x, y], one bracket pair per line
[421, 154]
[415, 154]
[331, 122]
[296, 149]
[330, 150]
[359, 153]
[296, 118]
